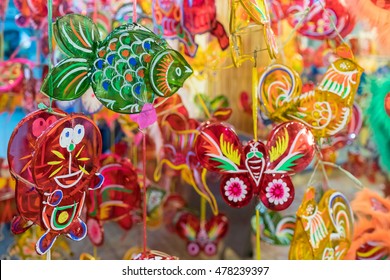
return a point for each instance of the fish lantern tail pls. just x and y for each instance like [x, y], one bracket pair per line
[78, 37]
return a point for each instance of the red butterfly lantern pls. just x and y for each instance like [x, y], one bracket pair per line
[116, 200]
[201, 236]
[53, 157]
[256, 169]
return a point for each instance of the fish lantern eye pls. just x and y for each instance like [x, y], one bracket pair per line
[66, 138]
[178, 71]
[78, 134]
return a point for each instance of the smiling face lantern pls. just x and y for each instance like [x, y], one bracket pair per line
[53, 160]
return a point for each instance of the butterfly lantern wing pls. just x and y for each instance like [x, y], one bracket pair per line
[291, 149]
[218, 149]
[216, 229]
[120, 193]
[187, 227]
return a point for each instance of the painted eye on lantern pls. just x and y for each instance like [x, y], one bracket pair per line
[51, 120]
[78, 133]
[178, 71]
[38, 126]
[66, 137]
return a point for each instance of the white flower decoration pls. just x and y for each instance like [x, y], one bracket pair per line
[277, 192]
[235, 189]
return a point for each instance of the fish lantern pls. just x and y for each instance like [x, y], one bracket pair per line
[130, 68]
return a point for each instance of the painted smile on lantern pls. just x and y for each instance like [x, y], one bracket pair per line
[69, 180]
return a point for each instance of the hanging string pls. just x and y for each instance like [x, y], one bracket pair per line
[310, 182]
[48, 255]
[258, 235]
[144, 214]
[254, 117]
[297, 26]
[332, 23]
[50, 38]
[95, 252]
[135, 11]
[202, 211]
[254, 100]
[355, 180]
[325, 175]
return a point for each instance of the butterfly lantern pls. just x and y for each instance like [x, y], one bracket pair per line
[323, 230]
[127, 70]
[53, 157]
[256, 168]
[327, 109]
[201, 236]
[175, 20]
[256, 17]
[117, 199]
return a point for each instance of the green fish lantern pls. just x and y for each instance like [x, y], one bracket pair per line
[128, 69]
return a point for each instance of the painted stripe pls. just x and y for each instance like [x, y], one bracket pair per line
[66, 70]
[73, 43]
[72, 59]
[77, 34]
[72, 82]
[80, 83]
[83, 36]
[70, 73]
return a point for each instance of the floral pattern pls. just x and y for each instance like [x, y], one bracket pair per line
[235, 189]
[277, 192]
